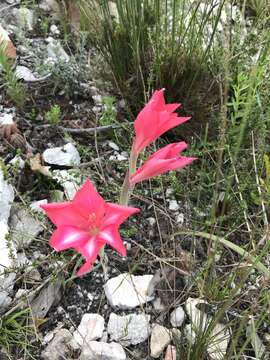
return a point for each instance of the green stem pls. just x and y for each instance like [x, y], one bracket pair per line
[127, 188]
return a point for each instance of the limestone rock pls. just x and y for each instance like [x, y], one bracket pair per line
[128, 291]
[91, 328]
[102, 351]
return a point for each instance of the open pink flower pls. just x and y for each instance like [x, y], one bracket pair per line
[87, 223]
[160, 162]
[154, 120]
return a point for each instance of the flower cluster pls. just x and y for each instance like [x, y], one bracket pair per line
[88, 223]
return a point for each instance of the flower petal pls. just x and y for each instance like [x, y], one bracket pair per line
[110, 235]
[90, 252]
[62, 214]
[116, 214]
[88, 201]
[85, 268]
[66, 237]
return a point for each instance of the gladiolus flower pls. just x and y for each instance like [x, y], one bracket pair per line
[87, 223]
[155, 119]
[165, 159]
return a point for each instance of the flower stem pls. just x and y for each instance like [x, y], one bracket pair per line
[127, 188]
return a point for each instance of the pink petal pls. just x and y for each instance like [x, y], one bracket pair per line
[66, 237]
[172, 123]
[90, 249]
[88, 201]
[62, 214]
[85, 268]
[110, 235]
[116, 214]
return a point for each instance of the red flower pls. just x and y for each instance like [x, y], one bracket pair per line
[160, 162]
[87, 223]
[154, 120]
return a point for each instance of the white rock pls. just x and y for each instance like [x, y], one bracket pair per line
[158, 305]
[69, 180]
[177, 317]
[23, 73]
[25, 18]
[113, 146]
[49, 5]
[160, 338]
[173, 205]
[128, 291]
[56, 53]
[220, 336]
[18, 162]
[60, 346]
[20, 293]
[6, 199]
[6, 119]
[180, 219]
[5, 300]
[131, 329]
[91, 328]
[151, 221]
[103, 351]
[35, 205]
[121, 157]
[66, 155]
[54, 30]
[97, 99]
[169, 192]
[24, 228]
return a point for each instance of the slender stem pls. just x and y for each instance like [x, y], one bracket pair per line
[127, 188]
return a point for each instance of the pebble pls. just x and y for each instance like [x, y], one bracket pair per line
[160, 338]
[173, 205]
[25, 18]
[113, 146]
[130, 329]
[54, 30]
[90, 328]
[180, 219]
[56, 53]
[17, 162]
[23, 73]
[128, 291]
[177, 317]
[24, 228]
[60, 346]
[66, 155]
[102, 351]
[6, 199]
[6, 119]
[35, 205]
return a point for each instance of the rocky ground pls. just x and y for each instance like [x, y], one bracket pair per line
[133, 308]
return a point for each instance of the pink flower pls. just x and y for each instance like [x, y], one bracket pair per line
[160, 162]
[87, 223]
[154, 120]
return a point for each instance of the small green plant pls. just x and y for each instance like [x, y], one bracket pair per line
[109, 115]
[53, 116]
[14, 331]
[14, 88]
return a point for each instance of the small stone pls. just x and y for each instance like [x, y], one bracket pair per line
[35, 205]
[90, 328]
[5, 300]
[20, 293]
[128, 291]
[158, 305]
[152, 221]
[121, 157]
[97, 100]
[66, 155]
[131, 329]
[113, 146]
[56, 53]
[160, 338]
[54, 30]
[177, 317]
[173, 205]
[102, 351]
[24, 228]
[6, 119]
[17, 162]
[23, 73]
[170, 353]
[25, 18]
[169, 192]
[180, 219]
[60, 346]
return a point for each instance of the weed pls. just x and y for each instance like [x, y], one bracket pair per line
[53, 116]
[14, 88]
